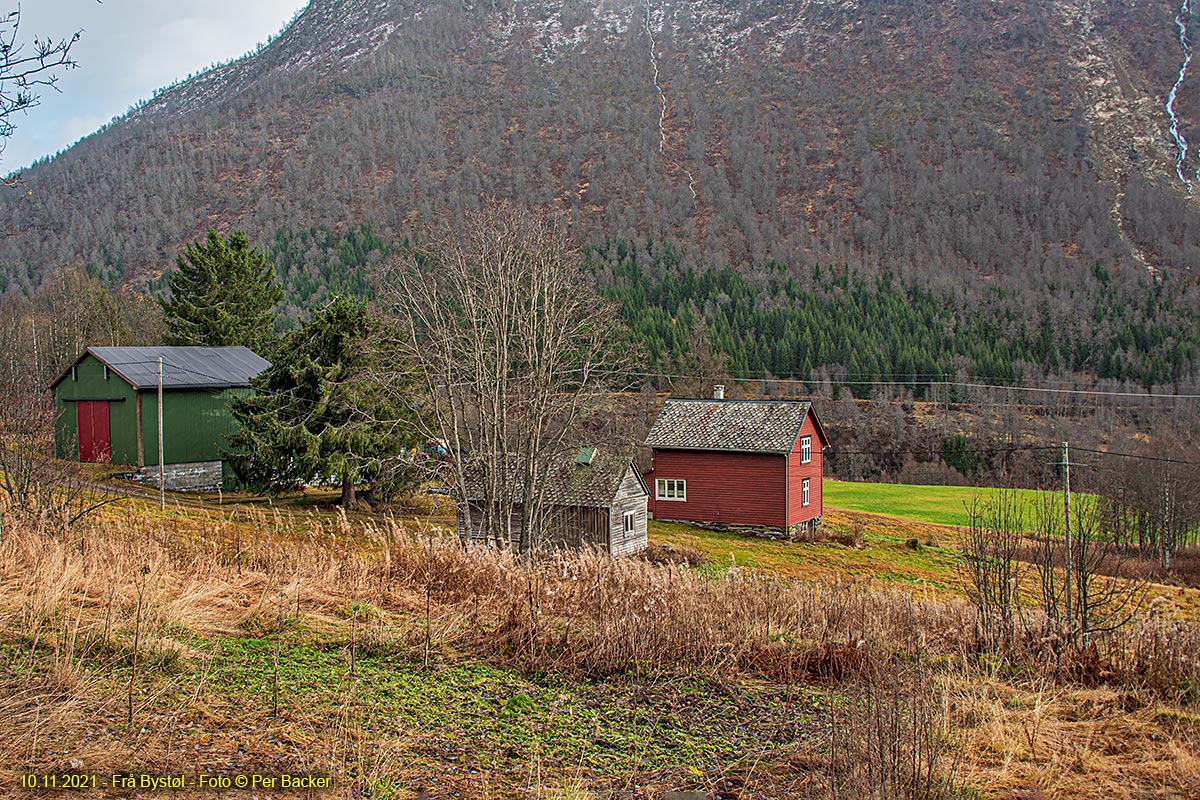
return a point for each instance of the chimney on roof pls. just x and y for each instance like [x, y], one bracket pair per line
[719, 392]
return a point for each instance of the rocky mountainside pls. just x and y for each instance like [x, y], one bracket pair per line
[991, 148]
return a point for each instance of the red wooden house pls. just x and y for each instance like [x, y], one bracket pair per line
[737, 462]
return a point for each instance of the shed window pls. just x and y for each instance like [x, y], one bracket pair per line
[671, 489]
[630, 522]
[805, 449]
[804, 496]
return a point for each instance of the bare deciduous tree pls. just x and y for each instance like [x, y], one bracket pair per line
[33, 483]
[1153, 508]
[25, 68]
[505, 336]
[1101, 601]
[991, 544]
[70, 311]
[1000, 543]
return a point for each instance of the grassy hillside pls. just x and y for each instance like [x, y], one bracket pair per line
[857, 547]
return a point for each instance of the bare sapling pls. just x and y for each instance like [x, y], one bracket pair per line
[991, 542]
[1104, 599]
[137, 639]
[33, 482]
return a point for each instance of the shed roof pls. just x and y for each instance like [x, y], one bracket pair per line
[746, 426]
[183, 367]
[572, 482]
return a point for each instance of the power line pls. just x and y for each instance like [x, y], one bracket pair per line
[1013, 449]
[836, 451]
[938, 451]
[1138, 456]
[198, 373]
[926, 380]
[1091, 392]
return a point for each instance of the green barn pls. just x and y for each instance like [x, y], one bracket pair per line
[107, 403]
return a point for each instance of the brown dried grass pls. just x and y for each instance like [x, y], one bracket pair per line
[1067, 741]
[584, 614]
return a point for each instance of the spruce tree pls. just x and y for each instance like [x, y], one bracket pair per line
[224, 293]
[317, 412]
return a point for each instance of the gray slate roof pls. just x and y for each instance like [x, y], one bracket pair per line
[747, 426]
[570, 483]
[183, 367]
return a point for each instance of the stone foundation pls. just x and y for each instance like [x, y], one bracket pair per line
[804, 531]
[795, 533]
[197, 476]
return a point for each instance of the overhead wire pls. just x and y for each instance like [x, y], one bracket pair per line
[198, 373]
[833, 451]
[1138, 456]
[926, 379]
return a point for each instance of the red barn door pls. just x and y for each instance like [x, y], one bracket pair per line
[94, 442]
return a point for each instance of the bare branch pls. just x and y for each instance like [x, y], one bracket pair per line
[499, 324]
[23, 71]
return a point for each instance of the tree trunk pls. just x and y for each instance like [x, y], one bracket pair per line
[348, 496]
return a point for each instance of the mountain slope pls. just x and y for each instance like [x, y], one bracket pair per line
[963, 146]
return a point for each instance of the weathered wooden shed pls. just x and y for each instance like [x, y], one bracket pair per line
[108, 409]
[738, 462]
[595, 498]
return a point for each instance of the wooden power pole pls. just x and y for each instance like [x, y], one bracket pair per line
[1068, 551]
[162, 483]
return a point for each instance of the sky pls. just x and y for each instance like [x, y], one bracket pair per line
[127, 49]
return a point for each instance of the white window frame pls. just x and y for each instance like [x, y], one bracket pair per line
[670, 489]
[805, 449]
[805, 496]
[629, 522]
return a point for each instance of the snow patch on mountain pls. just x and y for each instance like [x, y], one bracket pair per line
[328, 35]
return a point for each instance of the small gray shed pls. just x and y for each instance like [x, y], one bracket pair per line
[596, 498]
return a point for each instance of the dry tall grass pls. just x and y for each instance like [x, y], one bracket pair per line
[86, 596]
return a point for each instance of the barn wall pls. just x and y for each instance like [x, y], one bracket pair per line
[730, 488]
[195, 424]
[476, 533]
[630, 497]
[813, 470]
[89, 383]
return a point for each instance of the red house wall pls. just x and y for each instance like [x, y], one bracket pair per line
[734, 488]
[814, 470]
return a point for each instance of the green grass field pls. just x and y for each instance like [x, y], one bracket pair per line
[902, 545]
[938, 505]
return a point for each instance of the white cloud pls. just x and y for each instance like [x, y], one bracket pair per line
[179, 47]
[72, 129]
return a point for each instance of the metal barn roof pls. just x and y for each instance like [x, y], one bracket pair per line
[747, 426]
[183, 367]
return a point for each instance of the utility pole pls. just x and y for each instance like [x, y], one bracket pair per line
[1166, 535]
[162, 483]
[1068, 552]
[945, 405]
